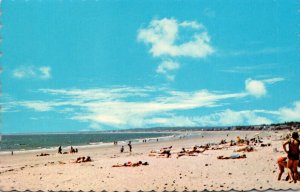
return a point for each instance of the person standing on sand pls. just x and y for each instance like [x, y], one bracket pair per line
[293, 155]
[130, 146]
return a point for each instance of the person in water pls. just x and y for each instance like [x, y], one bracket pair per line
[293, 155]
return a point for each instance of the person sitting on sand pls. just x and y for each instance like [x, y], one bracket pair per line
[233, 156]
[88, 159]
[80, 160]
[293, 155]
[72, 150]
[83, 159]
[122, 149]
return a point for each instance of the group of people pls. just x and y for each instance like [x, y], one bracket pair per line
[129, 145]
[72, 150]
[292, 160]
[83, 159]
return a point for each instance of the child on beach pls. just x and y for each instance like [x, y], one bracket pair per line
[293, 155]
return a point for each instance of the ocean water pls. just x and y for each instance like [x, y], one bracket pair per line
[46, 141]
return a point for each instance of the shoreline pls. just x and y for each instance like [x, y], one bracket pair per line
[173, 136]
[26, 171]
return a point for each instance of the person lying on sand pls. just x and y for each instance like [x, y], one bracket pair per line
[265, 145]
[245, 149]
[206, 146]
[192, 152]
[43, 154]
[216, 148]
[196, 150]
[166, 148]
[233, 156]
[163, 152]
[130, 164]
[83, 159]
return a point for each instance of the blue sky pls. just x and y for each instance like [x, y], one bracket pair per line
[99, 65]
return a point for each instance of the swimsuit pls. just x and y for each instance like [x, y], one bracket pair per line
[293, 153]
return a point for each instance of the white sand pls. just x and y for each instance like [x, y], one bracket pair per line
[258, 171]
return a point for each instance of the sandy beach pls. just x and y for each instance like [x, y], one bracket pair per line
[259, 170]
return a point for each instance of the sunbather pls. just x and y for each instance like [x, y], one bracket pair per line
[43, 154]
[245, 149]
[233, 156]
[163, 152]
[83, 159]
[130, 164]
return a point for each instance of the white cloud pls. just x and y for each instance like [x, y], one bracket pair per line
[163, 34]
[45, 72]
[115, 107]
[192, 24]
[31, 72]
[255, 87]
[230, 117]
[225, 118]
[290, 114]
[273, 80]
[262, 51]
[167, 67]
[40, 106]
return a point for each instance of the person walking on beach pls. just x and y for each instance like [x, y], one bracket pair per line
[130, 146]
[293, 155]
[59, 150]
